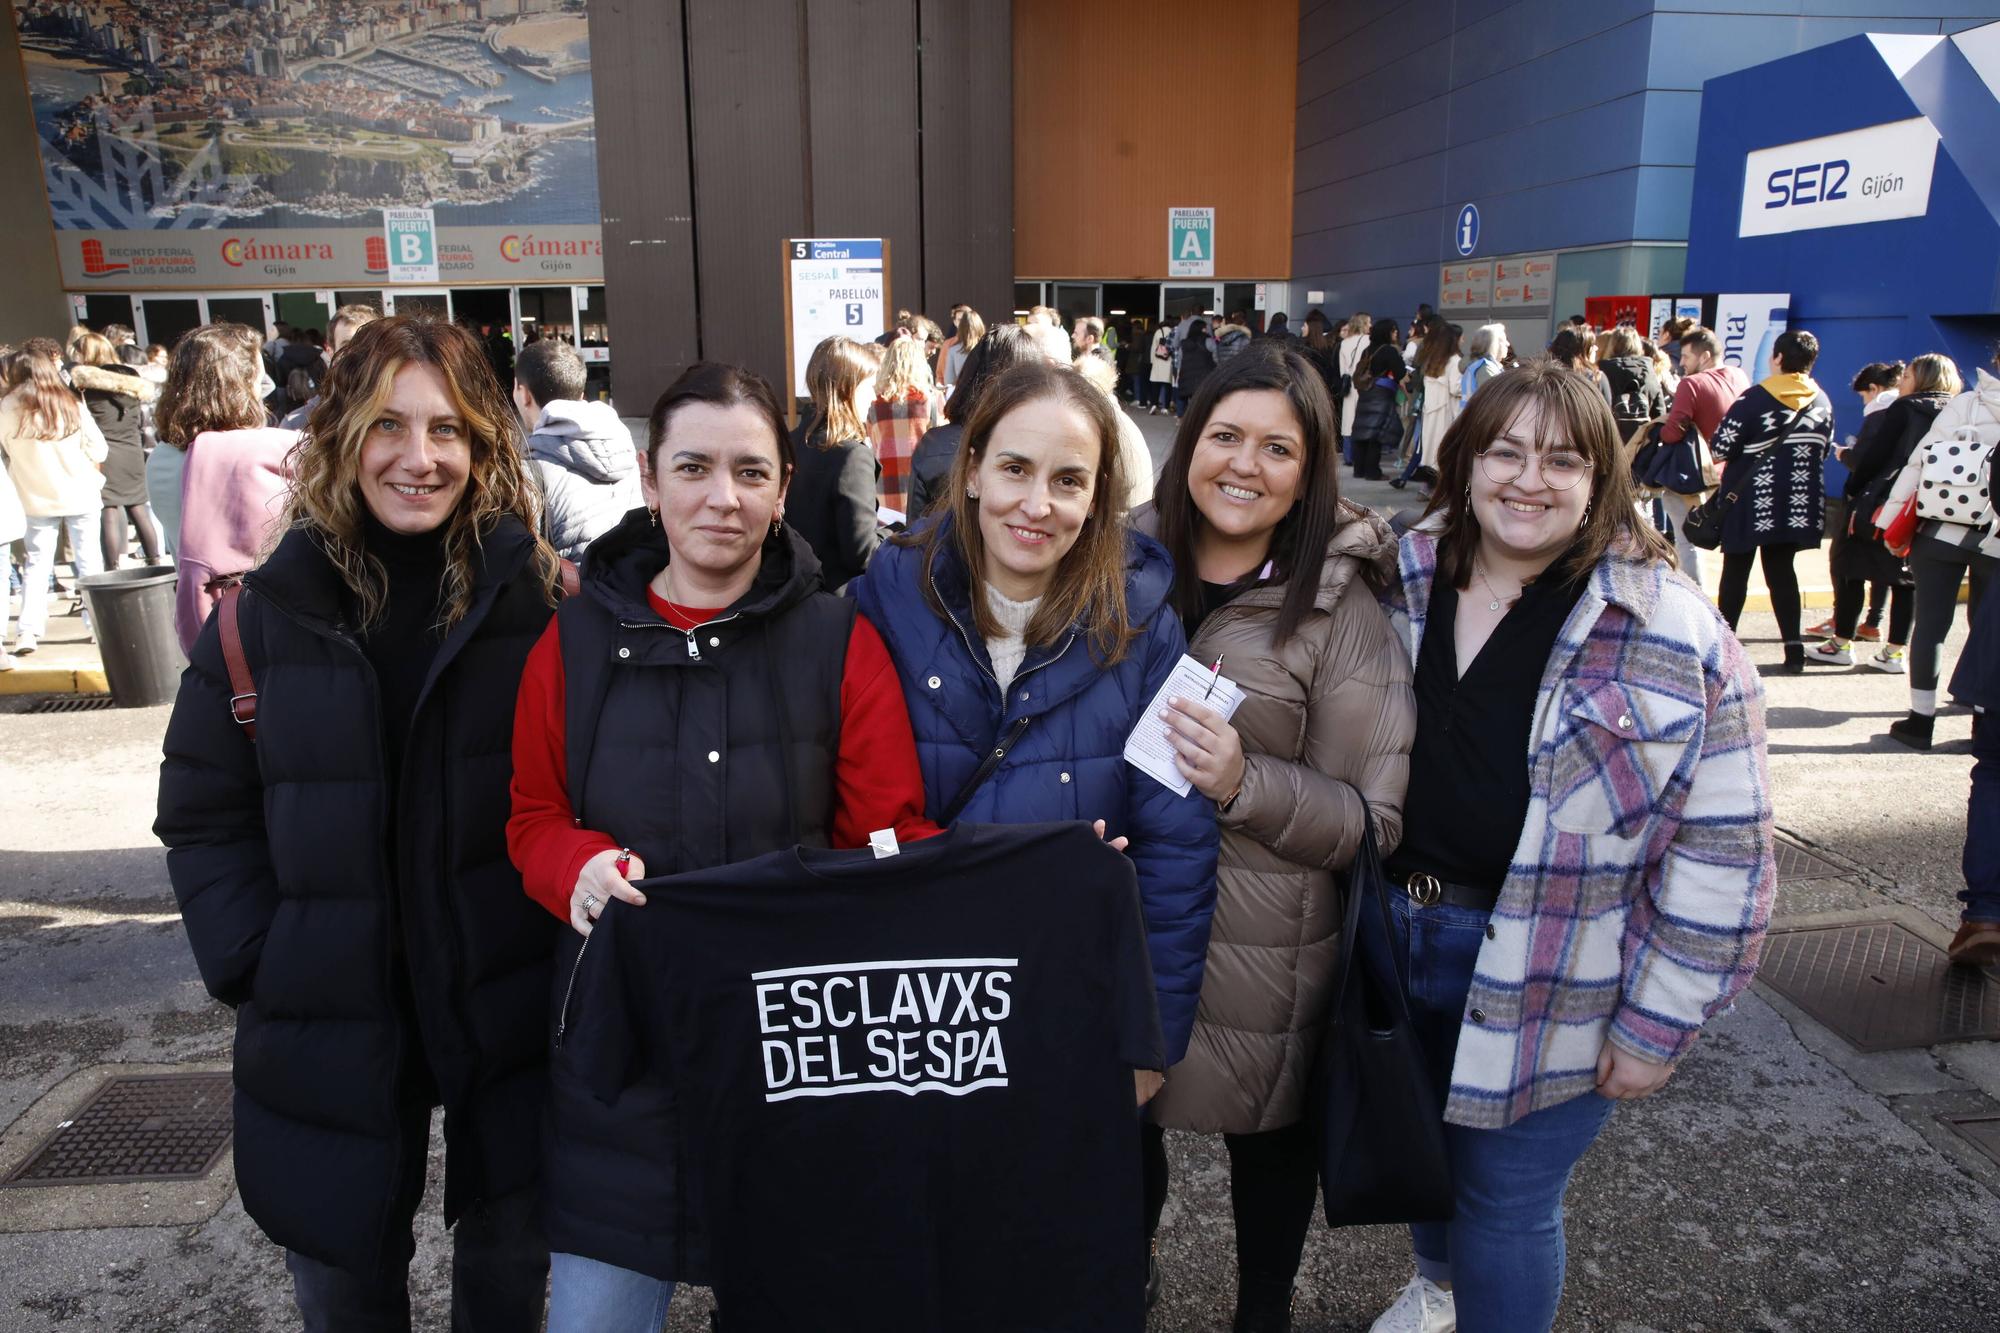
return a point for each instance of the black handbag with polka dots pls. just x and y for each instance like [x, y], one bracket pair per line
[1956, 484]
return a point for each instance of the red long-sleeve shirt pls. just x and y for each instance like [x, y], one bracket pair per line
[877, 781]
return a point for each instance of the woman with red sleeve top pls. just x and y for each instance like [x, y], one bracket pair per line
[701, 701]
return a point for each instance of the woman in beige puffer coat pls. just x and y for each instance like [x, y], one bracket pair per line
[1248, 505]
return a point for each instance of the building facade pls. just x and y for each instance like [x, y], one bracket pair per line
[1564, 131]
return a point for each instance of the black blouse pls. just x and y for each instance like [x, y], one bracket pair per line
[1469, 780]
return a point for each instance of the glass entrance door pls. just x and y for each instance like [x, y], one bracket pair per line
[100, 309]
[1200, 300]
[408, 301]
[547, 312]
[252, 311]
[1074, 300]
[163, 319]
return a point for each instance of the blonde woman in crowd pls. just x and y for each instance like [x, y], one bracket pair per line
[905, 407]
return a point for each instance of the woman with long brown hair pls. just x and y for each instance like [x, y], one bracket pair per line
[54, 454]
[334, 804]
[1587, 863]
[1278, 578]
[1032, 627]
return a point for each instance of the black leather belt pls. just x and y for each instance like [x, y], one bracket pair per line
[1427, 890]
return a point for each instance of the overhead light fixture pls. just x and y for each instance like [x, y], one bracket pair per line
[1118, 312]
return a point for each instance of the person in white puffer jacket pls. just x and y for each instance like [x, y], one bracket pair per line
[581, 453]
[1944, 552]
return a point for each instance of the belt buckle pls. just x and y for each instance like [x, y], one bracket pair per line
[1424, 889]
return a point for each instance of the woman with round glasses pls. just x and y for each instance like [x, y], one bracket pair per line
[1567, 924]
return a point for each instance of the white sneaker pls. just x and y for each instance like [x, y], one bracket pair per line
[1421, 1307]
[24, 644]
[6, 661]
[1895, 661]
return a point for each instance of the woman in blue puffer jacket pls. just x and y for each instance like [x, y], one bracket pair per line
[1030, 626]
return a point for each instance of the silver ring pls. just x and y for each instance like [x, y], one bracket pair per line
[589, 903]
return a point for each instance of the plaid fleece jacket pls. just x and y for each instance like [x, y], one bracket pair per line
[1639, 893]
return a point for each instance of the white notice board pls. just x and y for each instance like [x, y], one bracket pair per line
[832, 287]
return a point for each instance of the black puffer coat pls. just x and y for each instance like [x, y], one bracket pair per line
[695, 750]
[303, 893]
[1883, 445]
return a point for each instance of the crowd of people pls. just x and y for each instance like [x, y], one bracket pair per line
[947, 595]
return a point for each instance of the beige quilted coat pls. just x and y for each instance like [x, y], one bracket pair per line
[1326, 722]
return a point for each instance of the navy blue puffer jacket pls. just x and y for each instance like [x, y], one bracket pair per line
[1069, 764]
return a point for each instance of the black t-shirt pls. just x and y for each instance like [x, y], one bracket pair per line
[1469, 781]
[1214, 596]
[905, 1084]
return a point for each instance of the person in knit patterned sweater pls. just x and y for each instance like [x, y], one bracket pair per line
[1770, 446]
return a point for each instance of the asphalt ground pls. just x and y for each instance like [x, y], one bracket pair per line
[1781, 1181]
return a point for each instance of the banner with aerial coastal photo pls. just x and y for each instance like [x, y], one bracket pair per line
[188, 144]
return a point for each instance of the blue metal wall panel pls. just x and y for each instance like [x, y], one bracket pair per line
[1568, 122]
[1875, 291]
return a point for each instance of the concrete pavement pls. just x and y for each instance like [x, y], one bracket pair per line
[1781, 1182]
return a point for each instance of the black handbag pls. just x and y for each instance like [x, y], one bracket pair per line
[1381, 1128]
[1703, 524]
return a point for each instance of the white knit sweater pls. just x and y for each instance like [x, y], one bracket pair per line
[1009, 646]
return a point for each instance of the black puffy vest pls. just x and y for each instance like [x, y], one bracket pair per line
[694, 750]
[281, 857]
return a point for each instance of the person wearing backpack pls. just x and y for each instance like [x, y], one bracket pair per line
[334, 799]
[1949, 475]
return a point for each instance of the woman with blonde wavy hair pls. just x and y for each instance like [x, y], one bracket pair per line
[334, 801]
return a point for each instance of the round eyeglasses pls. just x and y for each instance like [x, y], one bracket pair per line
[1561, 469]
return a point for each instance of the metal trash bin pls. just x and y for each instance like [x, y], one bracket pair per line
[132, 617]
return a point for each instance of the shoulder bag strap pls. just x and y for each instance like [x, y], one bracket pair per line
[1763, 456]
[242, 687]
[983, 772]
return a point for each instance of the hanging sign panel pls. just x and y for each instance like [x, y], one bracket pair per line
[1190, 242]
[832, 287]
[1871, 175]
[1521, 281]
[1749, 326]
[1465, 286]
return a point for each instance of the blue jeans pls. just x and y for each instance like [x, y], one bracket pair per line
[1503, 1251]
[586, 1296]
[1981, 894]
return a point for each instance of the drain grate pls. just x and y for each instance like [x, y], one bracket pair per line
[1796, 862]
[1879, 986]
[72, 703]
[136, 1127]
[1981, 1131]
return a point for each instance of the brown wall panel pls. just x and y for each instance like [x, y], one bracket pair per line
[34, 304]
[862, 70]
[1121, 113]
[968, 78]
[749, 114]
[642, 181]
